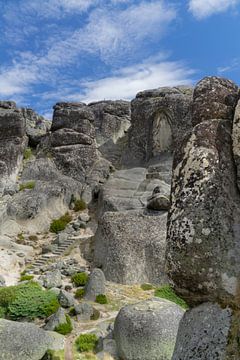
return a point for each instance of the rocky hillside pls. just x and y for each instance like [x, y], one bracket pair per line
[116, 217]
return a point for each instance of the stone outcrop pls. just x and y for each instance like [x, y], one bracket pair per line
[147, 330]
[13, 142]
[112, 121]
[160, 118]
[203, 251]
[95, 285]
[36, 126]
[26, 341]
[130, 247]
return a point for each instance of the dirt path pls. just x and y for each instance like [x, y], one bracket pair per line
[68, 349]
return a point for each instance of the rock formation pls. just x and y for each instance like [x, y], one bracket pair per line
[203, 227]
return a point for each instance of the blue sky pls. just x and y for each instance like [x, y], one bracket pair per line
[87, 50]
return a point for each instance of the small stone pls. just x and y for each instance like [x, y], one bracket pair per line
[84, 311]
[56, 319]
[52, 279]
[95, 285]
[84, 217]
[2, 281]
[65, 299]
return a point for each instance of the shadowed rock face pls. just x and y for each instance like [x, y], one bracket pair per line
[160, 119]
[203, 250]
[12, 142]
[214, 98]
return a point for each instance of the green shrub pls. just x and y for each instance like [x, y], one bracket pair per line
[79, 279]
[2, 312]
[79, 205]
[166, 292]
[27, 185]
[26, 277]
[27, 153]
[64, 328]
[72, 311]
[20, 236]
[101, 299]
[7, 295]
[60, 224]
[31, 301]
[86, 342]
[79, 293]
[147, 287]
[96, 314]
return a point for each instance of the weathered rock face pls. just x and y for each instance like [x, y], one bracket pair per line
[26, 341]
[214, 98]
[204, 333]
[147, 330]
[160, 119]
[72, 145]
[12, 142]
[36, 126]
[112, 120]
[130, 247]
[236, 140]
[203, 229]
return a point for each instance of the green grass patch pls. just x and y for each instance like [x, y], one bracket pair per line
[167, 292]
[64, 328]
[28, 301]
[33, 238]
[60, 224]
[147, 287]
[27, 153]
[27, 185]
[79, 279]
[101, 299]
[26, 277]
[79, 205]
[86, 342]
[2, 312]
[79, 293]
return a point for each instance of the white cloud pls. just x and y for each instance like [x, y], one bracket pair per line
[126, 82]
[204, 8]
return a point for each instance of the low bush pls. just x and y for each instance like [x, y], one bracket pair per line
[147, 287]
[27, 185]
[96, 314]
[167, 292]
[28, 301]
[64, 328]
[60, 224]
[86, 342]
[79, 293]
[26, 277]
[80, 279]
[79, 205]
[2, 312]
[101, 299]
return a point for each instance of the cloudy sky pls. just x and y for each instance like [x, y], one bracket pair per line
[87, 50]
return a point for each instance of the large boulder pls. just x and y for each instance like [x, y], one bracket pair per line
[95, 285]
[112, 121]
[130, 246]
[205, 333]
[160, 119]
[26, 341]
[203, 250]
[214, 98]
[13, 141]
[147, 330]
[36, 126]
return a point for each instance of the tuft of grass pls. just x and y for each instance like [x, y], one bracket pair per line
[65, 328]
[20, 237]
[33, 238]
[80, 279]
[26, 277]
[60, 224]
[79, 205]
[147, 287]
[96, 315]
[28, 185]
[86, 342]
[79, 293]
[167, 292]
[101, 299]
[27, 153]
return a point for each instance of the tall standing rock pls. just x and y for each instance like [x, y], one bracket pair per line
[13, 141]
[203, 246]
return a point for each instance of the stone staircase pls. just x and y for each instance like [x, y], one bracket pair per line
[61, 250]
